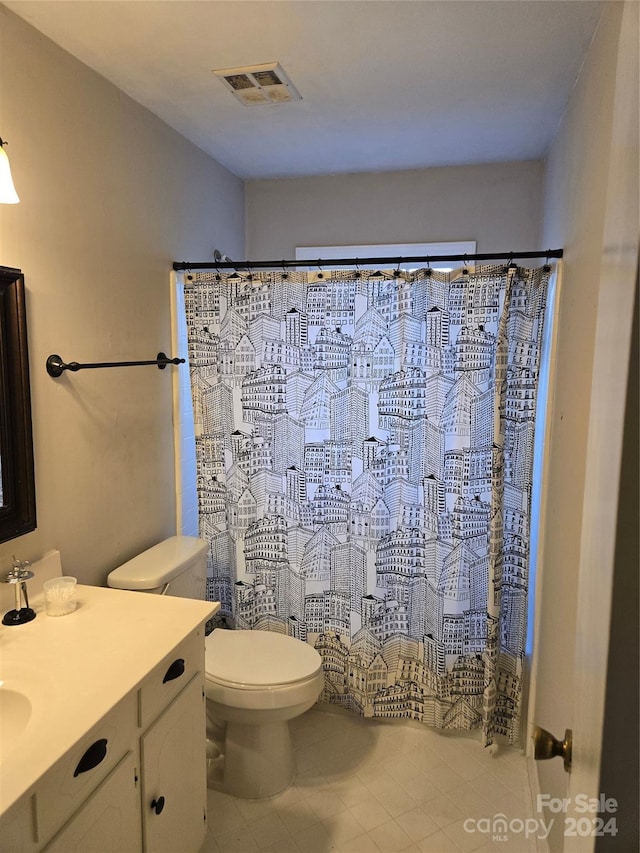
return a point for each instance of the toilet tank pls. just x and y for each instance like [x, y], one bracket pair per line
[176, 566]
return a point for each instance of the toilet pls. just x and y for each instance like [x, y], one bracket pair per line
[255, 681]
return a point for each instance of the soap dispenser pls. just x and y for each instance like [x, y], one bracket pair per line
[18, 575]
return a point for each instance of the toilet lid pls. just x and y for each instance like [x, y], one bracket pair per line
[258, 658]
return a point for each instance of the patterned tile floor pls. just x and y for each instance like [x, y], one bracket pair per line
[368, 786]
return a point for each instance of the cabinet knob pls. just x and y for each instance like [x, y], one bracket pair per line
[175, 670]
[157, 805]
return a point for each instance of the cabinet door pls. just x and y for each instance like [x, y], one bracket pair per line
[109, 821]
[174, 783]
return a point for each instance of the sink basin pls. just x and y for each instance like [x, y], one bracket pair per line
[22, 701]
[15, 713]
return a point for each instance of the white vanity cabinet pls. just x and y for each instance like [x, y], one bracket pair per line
[136, 781]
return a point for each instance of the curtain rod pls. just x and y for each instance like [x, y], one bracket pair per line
[343, 262]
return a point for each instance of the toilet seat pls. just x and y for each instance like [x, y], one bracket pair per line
[259, 660]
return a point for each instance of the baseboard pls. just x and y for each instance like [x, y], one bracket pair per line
[542, 845]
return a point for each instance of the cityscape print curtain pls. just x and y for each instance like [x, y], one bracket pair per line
[364, 447]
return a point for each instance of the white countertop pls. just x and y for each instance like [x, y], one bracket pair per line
[77, 667]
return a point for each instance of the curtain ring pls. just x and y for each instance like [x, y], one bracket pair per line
[285, 274]
[234, 277]
[319, 265]
[465, 270]
[428, 272]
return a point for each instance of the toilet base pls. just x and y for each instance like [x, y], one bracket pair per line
[258, 761]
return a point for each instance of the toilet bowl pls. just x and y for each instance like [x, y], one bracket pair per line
[256, 681]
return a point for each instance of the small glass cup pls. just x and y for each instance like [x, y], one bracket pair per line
[60, 595]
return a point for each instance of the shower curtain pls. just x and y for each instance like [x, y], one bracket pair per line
[364, 448]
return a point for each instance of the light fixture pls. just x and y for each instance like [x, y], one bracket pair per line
[8, 194]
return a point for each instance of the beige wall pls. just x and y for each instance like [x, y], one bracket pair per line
[110, 196]
[498, 205]
[576, 186]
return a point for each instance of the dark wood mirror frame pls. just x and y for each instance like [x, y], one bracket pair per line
[18, 509]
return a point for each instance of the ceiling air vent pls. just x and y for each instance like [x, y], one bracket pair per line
[259, 84]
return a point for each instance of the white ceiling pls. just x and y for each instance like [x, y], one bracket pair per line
[386, 84]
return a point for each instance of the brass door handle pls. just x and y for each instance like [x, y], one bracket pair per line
[545, 745]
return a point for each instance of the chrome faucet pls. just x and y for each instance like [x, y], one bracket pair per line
[18, 575]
